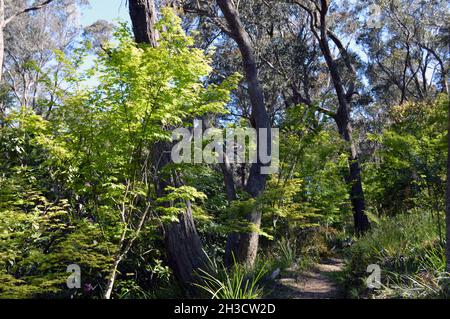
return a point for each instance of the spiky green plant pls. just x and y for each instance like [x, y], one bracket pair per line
[237, 282]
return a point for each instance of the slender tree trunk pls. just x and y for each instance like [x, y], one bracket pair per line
[343, 121]
[111, 279]
[123, 249]
[447, 191]
[248, 242]
[113, 272]
[183, 246]
[446, 90]
[232, 246]
[354, 180]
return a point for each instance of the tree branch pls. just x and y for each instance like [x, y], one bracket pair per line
[205, 13]
[26, 10]
[348, 63]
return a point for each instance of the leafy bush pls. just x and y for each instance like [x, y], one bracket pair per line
[286, 252]
[408, 251]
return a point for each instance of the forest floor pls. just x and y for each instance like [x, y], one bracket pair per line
[315, 283]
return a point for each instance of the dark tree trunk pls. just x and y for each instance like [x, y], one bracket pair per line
[343, 120]
[183, 246]
[353, 179]
[445, 89]
[227, 171]
[232, 245]
[248, 242]
[143, 18]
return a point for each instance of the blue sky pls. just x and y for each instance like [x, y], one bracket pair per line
[109, 10]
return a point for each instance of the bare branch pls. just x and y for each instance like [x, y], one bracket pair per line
[26, 10]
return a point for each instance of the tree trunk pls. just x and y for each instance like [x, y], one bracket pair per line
[183, 246]
[354, 181]
[343, 121]
[113, 272]
[143, 17]
[232, 246]
[111, 280]
[248, 242]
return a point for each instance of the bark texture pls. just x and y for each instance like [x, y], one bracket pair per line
[246, 248]
[183, 245]
[182, 242]
[319, 27]
[143, 17]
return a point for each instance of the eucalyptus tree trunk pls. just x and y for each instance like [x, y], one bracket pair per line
[143, 17]
[184, 249]
[353, 179]
[233, 238]
[248, 242]
[182, 242]
[342, 116]
[445, 89]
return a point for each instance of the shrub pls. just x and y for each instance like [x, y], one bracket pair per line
[408, 251]
[238, 282]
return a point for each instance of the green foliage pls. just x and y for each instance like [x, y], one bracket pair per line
[286, 253]
[176, 201]
[319, 161]
[407, 249]
[238, 282]
[39, 239]
[410, 166]
[73, 184]
[78, 169]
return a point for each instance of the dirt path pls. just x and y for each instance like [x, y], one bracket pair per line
[312, 284]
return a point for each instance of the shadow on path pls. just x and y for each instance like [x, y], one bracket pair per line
[311, 284]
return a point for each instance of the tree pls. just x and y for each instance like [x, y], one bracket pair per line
[248, 242]
[4, 21]
[318, 12]
[404, 66]
[143, 17]
[245, 245]
[32, 72]
[183, 245]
